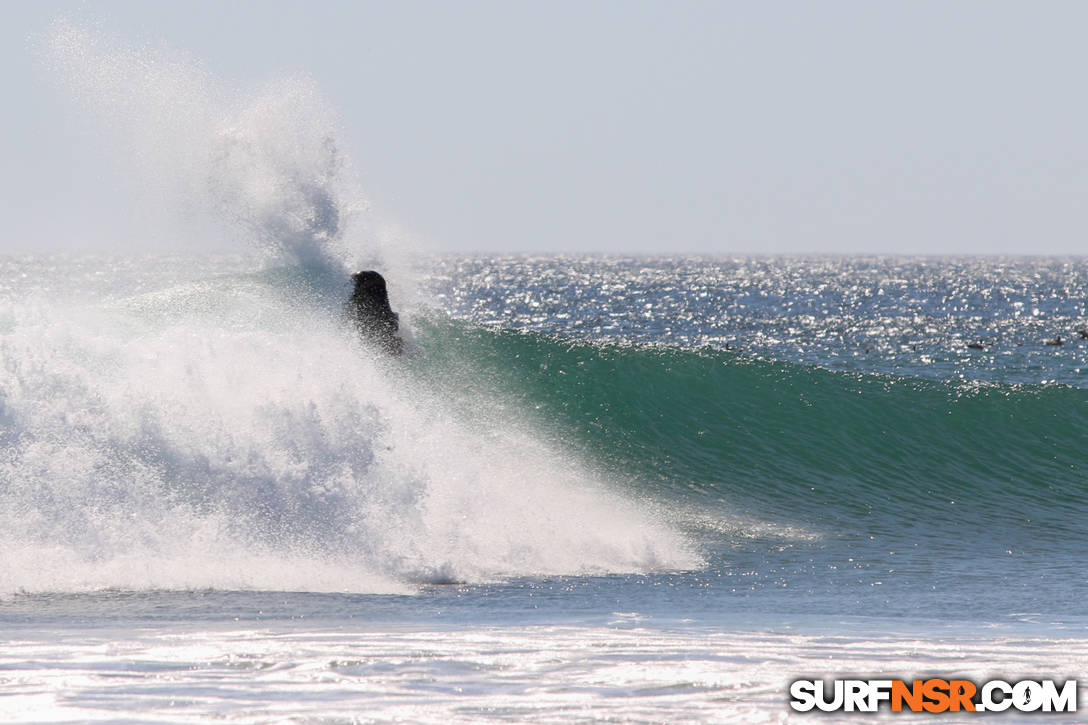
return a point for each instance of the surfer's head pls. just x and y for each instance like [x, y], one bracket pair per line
[370, 310]
[370, 297]
[369, 283]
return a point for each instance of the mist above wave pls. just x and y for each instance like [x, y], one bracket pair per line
[266, 160]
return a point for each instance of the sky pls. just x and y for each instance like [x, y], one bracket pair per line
[611, 126]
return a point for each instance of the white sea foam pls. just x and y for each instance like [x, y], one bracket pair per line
[221, 433]
[172, 429]
[537, 674]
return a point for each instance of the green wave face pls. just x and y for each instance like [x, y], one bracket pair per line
[850, 452]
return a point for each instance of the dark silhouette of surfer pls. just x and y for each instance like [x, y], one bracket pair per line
[369, 310]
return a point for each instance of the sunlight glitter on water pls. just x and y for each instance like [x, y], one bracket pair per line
[541, 674]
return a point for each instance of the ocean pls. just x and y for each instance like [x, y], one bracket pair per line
[598, 488]
[594, 488]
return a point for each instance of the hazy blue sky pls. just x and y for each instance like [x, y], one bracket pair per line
[620, 126]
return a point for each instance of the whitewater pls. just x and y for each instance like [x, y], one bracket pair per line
[635, 489]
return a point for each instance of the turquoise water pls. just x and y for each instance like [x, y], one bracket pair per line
[829, 396]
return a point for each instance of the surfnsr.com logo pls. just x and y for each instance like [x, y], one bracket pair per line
[933, 695]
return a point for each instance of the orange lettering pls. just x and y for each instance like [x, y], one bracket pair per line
[911, 695]
[960, 694]
[936, 691]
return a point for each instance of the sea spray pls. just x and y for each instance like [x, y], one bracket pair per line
[267, 161]
[193, 422]
[202, 447]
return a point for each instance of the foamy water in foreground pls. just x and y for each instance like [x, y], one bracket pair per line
[622, 671]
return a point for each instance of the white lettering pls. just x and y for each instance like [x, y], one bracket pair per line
[803, 693]
[1059, 701]
[1027, 696]
[988, 701]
